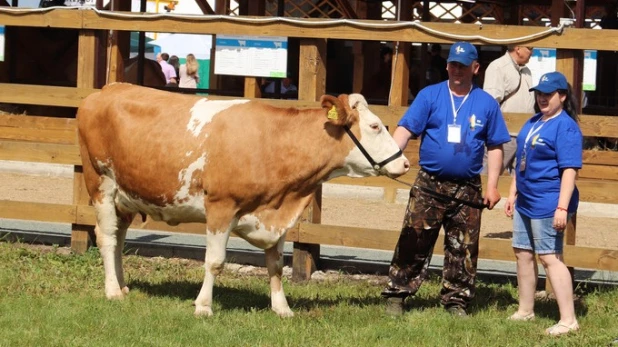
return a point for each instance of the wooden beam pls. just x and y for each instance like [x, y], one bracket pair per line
[347, 9]
[204, 7]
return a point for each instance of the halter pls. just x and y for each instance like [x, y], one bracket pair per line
[376, 166]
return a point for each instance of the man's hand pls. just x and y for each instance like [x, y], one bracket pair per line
[492, 196]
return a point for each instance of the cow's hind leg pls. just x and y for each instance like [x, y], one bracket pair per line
[107, 237]
[216, 244]
[274, 263]
[124, 221]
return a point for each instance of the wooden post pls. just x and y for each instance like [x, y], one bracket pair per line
[566, 60]
[119, 50]
[312, 69]
[311, 86]
[221, 8]
[306, 257]
[86, 72]
[401, 67]
[252, 8]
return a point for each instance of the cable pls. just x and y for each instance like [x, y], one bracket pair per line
[302, 22]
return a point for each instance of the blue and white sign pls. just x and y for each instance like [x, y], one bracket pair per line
[2, 43]
[590, 70]
[259, 56]
[543, 60]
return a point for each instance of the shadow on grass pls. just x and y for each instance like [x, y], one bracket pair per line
[233, 298]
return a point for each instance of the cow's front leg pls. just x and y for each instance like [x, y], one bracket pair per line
[216, 244]
[274, 263]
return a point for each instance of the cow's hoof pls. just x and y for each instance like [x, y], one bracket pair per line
[284, 313]
[116, 295]
[203, 311]
[125, 290]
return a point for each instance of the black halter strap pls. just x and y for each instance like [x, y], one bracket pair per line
[376, 166]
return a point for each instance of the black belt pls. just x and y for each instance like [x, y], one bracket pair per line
[435, 194]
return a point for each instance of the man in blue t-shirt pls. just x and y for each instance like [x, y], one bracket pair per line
[455, 121]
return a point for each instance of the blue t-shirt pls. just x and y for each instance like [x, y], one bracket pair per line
[480, 120]
[552, 146]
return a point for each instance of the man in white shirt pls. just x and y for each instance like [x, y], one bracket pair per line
[508, 80]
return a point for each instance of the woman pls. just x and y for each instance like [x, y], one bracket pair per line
[543, 197]
[188, 73]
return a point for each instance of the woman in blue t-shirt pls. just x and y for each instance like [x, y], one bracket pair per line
[543, 197]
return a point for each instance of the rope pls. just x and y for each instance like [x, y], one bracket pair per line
[299, 22]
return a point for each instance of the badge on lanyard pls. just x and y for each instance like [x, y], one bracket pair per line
[454, 133]
[454, 130]
[522, 163]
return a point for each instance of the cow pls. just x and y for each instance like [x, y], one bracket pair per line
[238, 166]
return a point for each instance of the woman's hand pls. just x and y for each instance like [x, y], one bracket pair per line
[509, 206]
[560, 220]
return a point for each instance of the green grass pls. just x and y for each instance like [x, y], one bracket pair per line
[50, 298]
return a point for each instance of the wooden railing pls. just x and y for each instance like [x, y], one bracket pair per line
[53, 140]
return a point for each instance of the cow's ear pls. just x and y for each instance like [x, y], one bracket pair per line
[336, 111]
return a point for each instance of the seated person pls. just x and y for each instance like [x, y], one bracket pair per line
[287, 87]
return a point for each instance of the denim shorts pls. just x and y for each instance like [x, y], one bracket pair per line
[537, 235]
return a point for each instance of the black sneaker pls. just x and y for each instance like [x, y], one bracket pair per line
[457, 311]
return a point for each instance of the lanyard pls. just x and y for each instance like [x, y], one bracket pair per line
[453, 102]
[533, 131]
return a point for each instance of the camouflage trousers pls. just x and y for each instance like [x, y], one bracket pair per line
[425, 215]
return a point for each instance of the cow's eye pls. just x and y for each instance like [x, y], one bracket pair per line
[375, 127]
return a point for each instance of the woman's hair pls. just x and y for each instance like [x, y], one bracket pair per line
[175, 62]
[570, 105]
[192, 65]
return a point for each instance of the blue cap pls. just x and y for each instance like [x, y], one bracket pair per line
[462, 52]
[550, 82]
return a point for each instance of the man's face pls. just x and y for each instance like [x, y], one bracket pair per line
[159, 57]
[459, 73]
[523, 54]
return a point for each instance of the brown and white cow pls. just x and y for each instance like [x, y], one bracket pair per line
[239, 166]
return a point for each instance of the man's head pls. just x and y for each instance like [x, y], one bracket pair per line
[436, 49]
[386, 54]
[165, 56]
[159, 57]
[463, 53]
[462, 63]
[520, 54]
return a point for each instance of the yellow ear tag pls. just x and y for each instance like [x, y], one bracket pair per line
[332, 113]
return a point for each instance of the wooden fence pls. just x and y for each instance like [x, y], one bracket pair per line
[53, 140]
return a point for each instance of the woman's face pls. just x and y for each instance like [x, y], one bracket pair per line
[551, 103]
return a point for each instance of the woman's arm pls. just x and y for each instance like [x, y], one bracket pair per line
[567, 186]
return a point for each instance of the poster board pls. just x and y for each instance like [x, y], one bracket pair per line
[543, 60]
[258, 56]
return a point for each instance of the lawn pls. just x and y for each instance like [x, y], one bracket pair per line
[51, 297]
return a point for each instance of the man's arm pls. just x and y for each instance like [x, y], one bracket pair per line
[494, 84]
[402, 136]
[494, 165]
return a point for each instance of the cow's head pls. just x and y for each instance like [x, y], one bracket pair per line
[382, 155]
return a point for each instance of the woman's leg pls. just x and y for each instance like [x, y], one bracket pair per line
[562, 284]
[527, 276]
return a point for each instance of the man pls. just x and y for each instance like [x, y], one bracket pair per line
[437, 65]
[455, 120]
[168, 70]
[509, 80]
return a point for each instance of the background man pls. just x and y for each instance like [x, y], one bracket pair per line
[509, 80]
